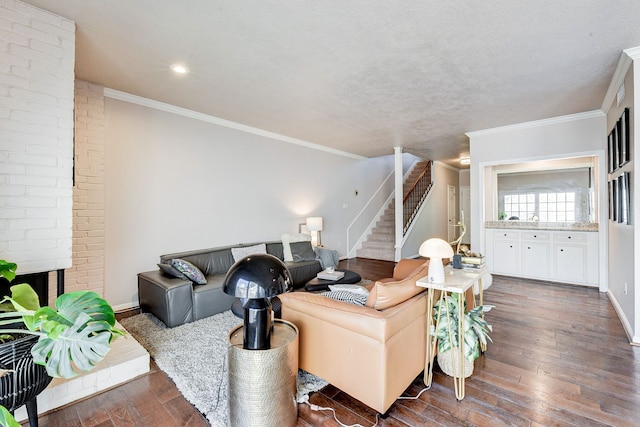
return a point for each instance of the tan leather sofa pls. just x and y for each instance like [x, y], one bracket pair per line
[371, 352]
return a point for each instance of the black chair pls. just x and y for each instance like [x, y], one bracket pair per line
[25, 380]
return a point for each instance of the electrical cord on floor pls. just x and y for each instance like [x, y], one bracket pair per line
[415, 397]
[320, 408]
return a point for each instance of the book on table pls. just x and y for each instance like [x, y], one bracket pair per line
[330, 275]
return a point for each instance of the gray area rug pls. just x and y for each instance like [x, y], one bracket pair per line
[194, 356]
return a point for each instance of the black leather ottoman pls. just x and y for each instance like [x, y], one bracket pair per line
[349, 278]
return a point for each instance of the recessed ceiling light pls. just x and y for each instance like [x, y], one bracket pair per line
[180, 69]
[465, 160]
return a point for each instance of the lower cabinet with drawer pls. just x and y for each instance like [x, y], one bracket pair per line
[561, 256]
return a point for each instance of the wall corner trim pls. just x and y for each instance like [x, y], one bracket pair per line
[626, 59]
[150, 103]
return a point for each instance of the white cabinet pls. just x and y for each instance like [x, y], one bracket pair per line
[562, 256]
[570, 262]
[508, 261]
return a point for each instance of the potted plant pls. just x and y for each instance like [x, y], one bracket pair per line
[65, 341]
[476, 334]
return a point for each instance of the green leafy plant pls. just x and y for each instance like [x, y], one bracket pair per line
[476, 328]
[6, 419]
[73, 337]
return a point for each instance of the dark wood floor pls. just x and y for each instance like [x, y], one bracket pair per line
[559, 357]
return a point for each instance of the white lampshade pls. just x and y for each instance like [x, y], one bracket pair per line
[314, 223]
[436, 249]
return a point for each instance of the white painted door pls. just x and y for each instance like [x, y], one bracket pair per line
[451, 213]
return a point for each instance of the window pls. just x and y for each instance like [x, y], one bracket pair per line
[557, 207]
[547, 207]
[520, 206]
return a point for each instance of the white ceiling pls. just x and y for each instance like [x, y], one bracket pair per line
[360, 76]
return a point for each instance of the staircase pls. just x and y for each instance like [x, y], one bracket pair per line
[380, 244]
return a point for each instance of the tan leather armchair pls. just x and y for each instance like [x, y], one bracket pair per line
[372, 353]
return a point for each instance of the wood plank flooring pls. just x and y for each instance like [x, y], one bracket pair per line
[559, 357]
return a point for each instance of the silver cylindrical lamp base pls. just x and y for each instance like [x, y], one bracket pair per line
[262, 383]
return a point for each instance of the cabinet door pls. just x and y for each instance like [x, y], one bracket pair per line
[506, 257]
[571, 263]
[536, 259]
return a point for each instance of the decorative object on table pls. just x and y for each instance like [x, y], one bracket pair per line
[256, 279]
[317, 284]
[330, 274]
[476, 334]
[456, 261]
[436, 249]
[42, 342]
[194, 356]
[314, 224]
[472, 261]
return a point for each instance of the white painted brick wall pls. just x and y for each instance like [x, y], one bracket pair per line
[88, 195]
[37, 51]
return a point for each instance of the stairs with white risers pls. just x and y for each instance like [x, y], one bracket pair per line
[380, 243]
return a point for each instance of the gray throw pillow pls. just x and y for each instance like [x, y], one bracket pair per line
[192, 272]
[171, 271]
[302, 251]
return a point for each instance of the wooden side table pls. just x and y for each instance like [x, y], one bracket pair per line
[456, 281]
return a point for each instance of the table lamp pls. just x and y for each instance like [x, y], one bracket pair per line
[255, 279]
[435, 249]
[314, 223]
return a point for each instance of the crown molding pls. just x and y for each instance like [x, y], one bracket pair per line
[537, 123]
[161, 106]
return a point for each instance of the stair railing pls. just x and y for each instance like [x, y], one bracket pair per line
[415, 196]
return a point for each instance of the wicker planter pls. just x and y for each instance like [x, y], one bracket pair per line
[449, 363]
[25, 380]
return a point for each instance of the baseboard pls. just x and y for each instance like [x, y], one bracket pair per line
[628, 329]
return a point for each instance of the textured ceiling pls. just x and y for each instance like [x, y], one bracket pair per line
[359, 76]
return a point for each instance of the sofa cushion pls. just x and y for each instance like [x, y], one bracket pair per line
[287, 239]
[192, 272]
[303, 271]
[385, 294]
[171, 271]
[302, 251]
[241, 252]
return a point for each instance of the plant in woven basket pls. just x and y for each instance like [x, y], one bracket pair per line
[71, 339]
[476, 332]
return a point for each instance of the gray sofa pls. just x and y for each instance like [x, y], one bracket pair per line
[177, 300]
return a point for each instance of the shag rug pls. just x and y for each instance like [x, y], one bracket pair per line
[194, 356]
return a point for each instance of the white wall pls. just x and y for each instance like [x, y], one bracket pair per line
[174, 183]
[432, 218]
[567, 136]
[622, 237]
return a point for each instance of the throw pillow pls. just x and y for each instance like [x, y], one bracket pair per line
[287, 239]
[171, 271]
[239, 253]
[387, 294]
[302, 251]
[356, 289]
[192, 272]
[346, 296]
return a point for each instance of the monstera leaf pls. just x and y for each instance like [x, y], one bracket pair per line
[6, 419]
[72, 349]
[78, 334]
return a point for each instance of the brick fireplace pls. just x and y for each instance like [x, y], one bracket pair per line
[36, 148]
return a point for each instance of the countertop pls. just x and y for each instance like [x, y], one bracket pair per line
[535, 225]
